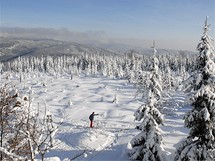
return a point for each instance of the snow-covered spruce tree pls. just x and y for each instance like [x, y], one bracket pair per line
[206, 49]
[147, 145]
[155, 76]
[151, 79]
[200, 143]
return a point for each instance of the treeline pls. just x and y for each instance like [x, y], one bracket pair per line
[118, 66]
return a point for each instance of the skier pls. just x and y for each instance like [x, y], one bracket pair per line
[91, 117]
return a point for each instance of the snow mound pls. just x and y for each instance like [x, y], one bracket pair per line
[50, 159]
[95, 139]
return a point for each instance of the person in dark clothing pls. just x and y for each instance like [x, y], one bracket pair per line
[91, 117]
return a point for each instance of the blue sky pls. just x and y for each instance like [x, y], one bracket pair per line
[165, 21]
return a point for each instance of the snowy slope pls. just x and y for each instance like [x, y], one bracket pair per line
[11, 48]
[74, 100]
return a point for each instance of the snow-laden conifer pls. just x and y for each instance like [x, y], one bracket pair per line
[150, 79]
[204, 62]
[147, 145]
[200, 144]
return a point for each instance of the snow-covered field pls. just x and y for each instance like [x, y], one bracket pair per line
[74, 100]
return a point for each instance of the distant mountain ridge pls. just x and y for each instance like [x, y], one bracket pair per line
[11, 48]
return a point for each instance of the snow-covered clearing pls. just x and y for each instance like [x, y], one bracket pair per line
[74, 100]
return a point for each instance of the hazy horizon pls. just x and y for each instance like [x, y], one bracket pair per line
[173, 24]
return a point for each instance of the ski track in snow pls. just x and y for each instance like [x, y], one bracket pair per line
[114, 127]
[173, 130]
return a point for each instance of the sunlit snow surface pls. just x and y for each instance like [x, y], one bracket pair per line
[74, 100]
